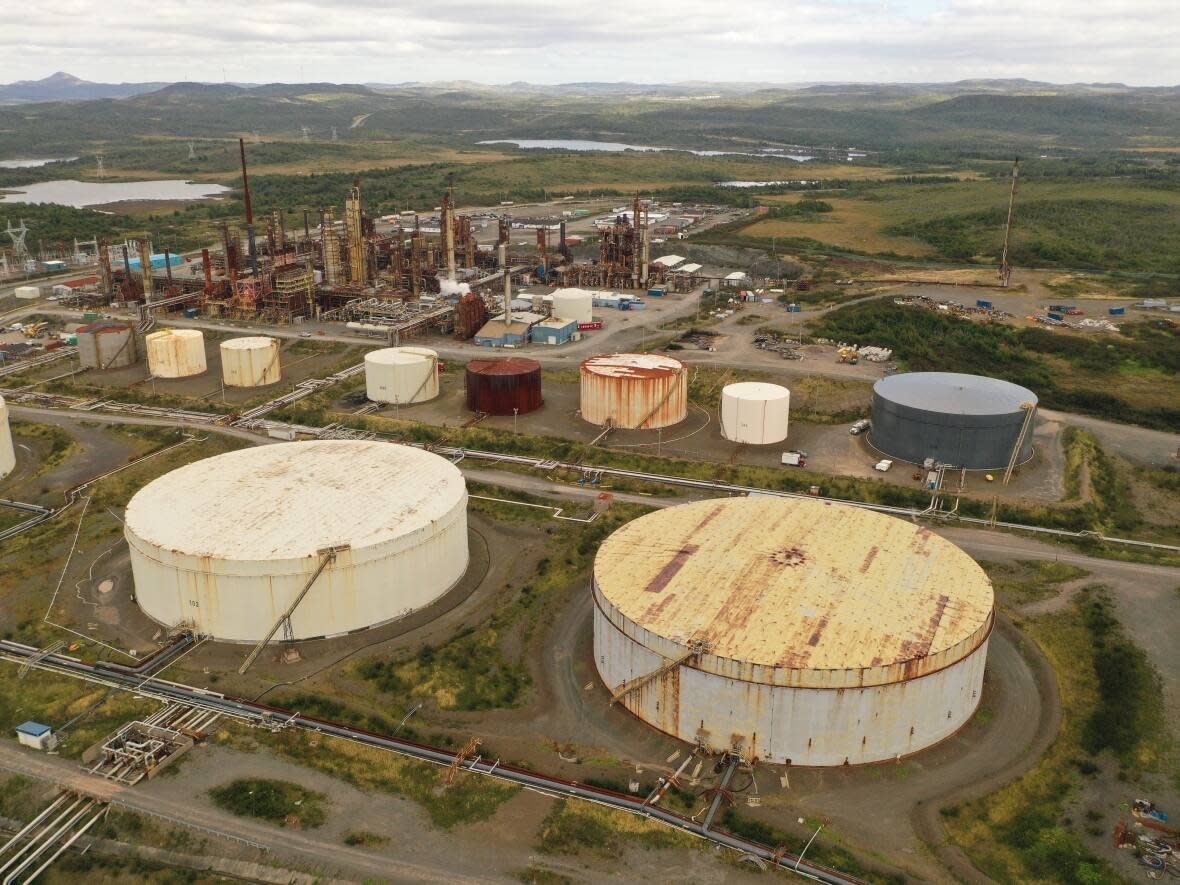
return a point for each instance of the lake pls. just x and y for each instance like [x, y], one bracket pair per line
[81, 194]
[798, 182]
[575, 144]
[32, 164]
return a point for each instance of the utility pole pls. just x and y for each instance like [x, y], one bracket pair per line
[1005, 269]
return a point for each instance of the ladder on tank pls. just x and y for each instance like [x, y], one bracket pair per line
[1030, 410]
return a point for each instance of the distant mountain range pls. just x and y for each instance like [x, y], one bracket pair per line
[66, 87]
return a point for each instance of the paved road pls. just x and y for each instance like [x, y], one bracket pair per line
[288, 842]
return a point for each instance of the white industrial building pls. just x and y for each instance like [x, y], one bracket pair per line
[791, 630]
[401, 375]
[250, 362]
[755, 412]
[175, 353]
[371, 530]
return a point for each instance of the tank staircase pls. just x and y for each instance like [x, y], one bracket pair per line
[1030, 410]
[696, 648]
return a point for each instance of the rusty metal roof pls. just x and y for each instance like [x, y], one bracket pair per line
[506, 365]
[799, 584]
[632, 365]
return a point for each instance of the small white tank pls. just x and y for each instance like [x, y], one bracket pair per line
[755, 412]
[7, 453]
[176, 353]
[401, 375]
[573, 304]
[250, 362]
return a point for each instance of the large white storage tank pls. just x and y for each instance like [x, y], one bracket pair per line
[807, 632]
[755, 412]
[401, 375]
[250, 362]
[7, 452]
[573, 304]
[226, 544]
[634, 391]
[176, 353]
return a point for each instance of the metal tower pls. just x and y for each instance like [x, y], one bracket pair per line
[20, 252]
[1005, 269]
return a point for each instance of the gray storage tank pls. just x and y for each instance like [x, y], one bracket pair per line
[106, 345]
[965, 420]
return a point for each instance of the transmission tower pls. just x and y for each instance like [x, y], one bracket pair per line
[333, 133]
[102, 172]
[20, 251]
[1005, 269]
[192, 151]
[306, 132]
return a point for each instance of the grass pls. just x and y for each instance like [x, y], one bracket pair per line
[1020, 833]
[472, 798]
[577, 828]
[1028, 581]
[281, 802]
[365, 839]
[60, 444]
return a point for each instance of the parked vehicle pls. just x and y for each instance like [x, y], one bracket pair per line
[859, 427]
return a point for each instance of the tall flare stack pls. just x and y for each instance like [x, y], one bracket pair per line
[355, 234]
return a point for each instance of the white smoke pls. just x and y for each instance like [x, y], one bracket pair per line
[451, 287]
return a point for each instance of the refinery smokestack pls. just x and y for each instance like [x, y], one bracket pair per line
[507, 284]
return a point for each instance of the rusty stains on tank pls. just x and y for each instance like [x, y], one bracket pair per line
[665, 575]
[869, 557]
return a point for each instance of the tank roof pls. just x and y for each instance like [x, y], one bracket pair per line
[954, 393]
[103, 326]
[506, 365]
[400, 356]
[174, 333]
[249, 342]
[632, 365]
[795, 583]
[290, 500]
[755, 390]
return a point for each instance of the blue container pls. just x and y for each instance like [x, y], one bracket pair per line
[981, 303]
[656, 293]
[794, 308]
[1054, 315]
[1118, 311]
[190, 312]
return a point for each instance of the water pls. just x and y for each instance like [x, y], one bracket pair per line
[32, 164]
[81, 194]
[798, 181]
[575, 144]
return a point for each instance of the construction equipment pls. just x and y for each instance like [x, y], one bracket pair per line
[847, 354]
[1005, 268]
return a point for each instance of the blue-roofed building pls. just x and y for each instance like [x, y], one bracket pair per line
[36, 735]
[553, 330]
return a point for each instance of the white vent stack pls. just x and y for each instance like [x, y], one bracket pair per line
[250, 362]
[401, 375]
[7, 452]
[755, 412]
[176, 353]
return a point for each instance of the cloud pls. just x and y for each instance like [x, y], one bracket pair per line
[1132, 41]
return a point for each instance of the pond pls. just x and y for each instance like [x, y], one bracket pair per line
[576, 144]
[81, 194]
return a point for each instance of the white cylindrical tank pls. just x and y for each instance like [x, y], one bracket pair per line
[807, 632]
[250, 362]
[401, 375]
[7, 452]
[573, 304]
[175, 353]
[27, 293]
[226, 544]
[755, 412]
[634, 391]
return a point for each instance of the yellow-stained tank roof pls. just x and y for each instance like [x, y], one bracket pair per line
[795, 585]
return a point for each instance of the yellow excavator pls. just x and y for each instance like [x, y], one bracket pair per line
[848, 355]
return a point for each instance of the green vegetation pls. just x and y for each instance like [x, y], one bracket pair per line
[1028, 581]
[365, 839]
[280, 802]
[1133, 378]
[60, 443]
[573, 828]
[1020, 833]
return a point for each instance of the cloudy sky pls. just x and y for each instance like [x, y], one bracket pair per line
[496, 41]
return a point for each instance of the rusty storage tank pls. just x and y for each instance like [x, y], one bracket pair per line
[504, 385]
[7, 452]
[175, 353]
[106, 345]
[226, 544]
[792, 630]
[470, 315]
[634, 391]
[964, 420]
[401, 375]
[251, 361]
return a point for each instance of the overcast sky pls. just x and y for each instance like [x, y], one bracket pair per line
[498, 41]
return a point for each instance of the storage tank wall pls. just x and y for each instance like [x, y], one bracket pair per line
[176, 354]
[756, 414]
[401, 375]
[7, 452]
[646, 403]
[977, 442]
[252, 362]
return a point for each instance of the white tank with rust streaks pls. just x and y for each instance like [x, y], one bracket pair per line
[250, 362]
[832, 634]
[574, 304]
[226, 544]
[755, 412]
[401, 375]
[7, 452]
[176, 353]
[634, 391]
